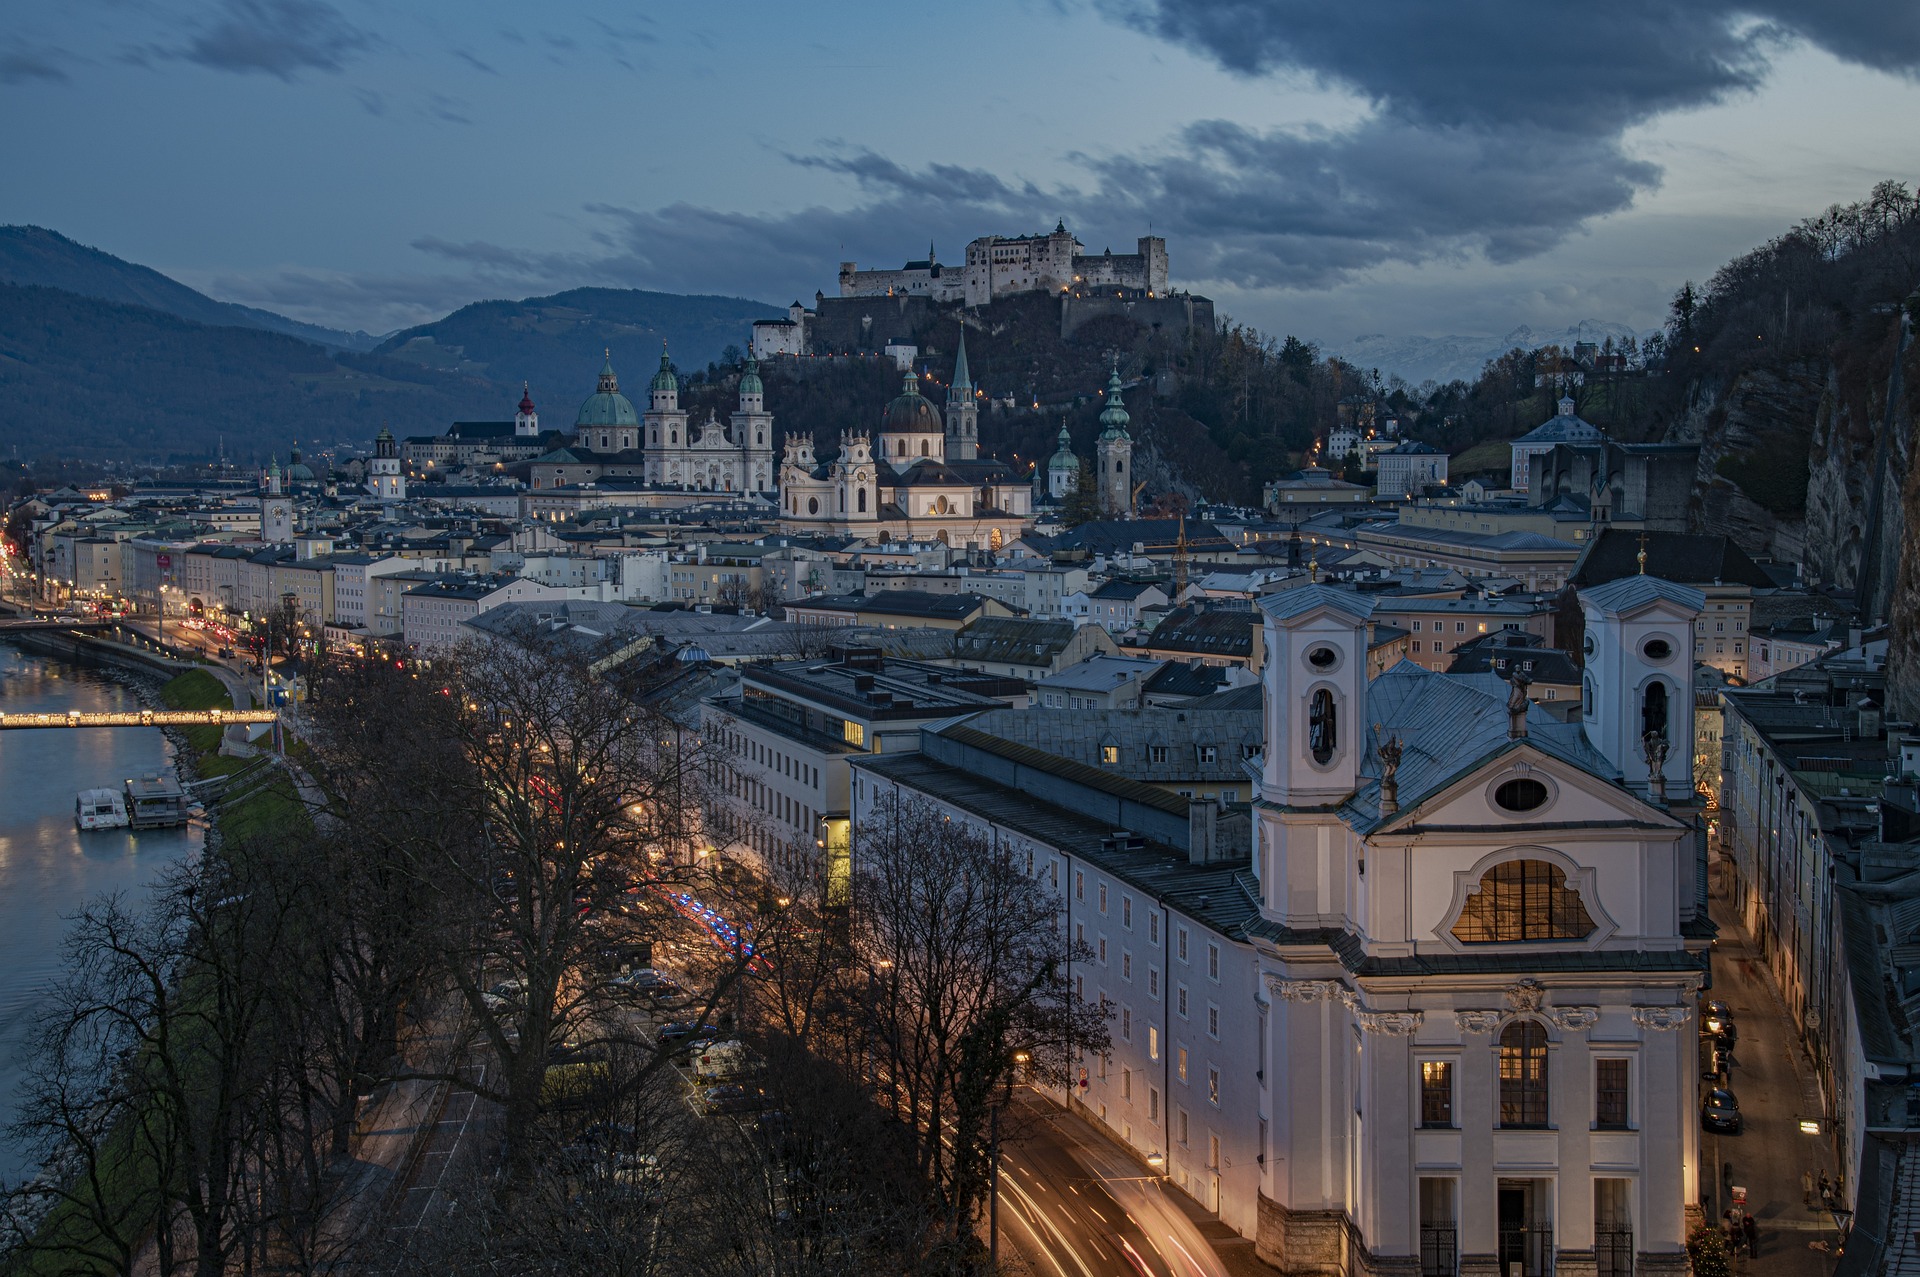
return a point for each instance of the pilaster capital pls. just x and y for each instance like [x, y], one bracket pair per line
[1569, 1019]
[1662, 1018]
[1307, 990]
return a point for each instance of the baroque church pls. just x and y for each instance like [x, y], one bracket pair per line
[921, 479]
[662, 447]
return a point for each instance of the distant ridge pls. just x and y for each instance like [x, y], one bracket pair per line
[36, 256]
[555, 342]
[1461, 357]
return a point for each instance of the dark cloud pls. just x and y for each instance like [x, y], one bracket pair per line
[276, 37]
[22, 63]
[475, 62]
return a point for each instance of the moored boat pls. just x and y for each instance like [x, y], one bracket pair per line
[99, 809]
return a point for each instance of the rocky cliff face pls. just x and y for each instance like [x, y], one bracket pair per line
[1764, 431]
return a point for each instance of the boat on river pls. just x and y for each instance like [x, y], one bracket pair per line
[99, 809]
[155, 801]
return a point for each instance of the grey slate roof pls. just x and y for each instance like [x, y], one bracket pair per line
[1080, 734]
[1449, 725]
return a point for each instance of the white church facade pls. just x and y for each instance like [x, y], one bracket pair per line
[1438, 1019]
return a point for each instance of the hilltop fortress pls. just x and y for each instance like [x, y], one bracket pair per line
[997, 266]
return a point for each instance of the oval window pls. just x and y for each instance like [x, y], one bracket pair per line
[1521, 794]
[1322, 658]
[1657, 649]
[1588, 645]
[813, 505]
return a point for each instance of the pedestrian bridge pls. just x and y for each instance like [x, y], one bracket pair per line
[141, 718]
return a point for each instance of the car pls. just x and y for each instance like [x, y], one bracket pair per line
[509, 990]
[641, 979]
[687, 1036]
[1717, 1019]
[731, 1097]
[1720, 1111]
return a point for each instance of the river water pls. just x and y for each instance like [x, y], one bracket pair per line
[48, 869]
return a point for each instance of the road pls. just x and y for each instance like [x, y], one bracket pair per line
[1075, 1205]
[1768, 1157]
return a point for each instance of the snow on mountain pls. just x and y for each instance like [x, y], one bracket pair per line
[1458, 357]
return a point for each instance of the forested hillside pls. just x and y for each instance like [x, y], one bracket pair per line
[86, 378]
[35, 255]
[555, 343]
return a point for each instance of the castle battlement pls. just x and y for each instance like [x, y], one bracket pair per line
[1001, 266]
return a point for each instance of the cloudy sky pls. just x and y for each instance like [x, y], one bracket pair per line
[1323, 168]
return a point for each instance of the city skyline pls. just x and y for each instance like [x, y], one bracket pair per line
[1381, 171]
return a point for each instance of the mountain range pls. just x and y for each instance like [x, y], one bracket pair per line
[105, 358]
[1461, 357]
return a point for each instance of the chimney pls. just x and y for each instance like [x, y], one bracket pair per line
[1870, 718]
[1203, 831]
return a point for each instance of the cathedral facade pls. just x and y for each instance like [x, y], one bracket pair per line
[921, 478]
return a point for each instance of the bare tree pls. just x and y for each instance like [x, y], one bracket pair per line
[967, 960]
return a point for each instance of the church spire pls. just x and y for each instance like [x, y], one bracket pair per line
[962, 387]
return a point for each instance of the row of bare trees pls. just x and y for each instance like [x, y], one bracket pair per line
[489, 840]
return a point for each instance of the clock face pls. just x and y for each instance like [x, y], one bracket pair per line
[861, 476]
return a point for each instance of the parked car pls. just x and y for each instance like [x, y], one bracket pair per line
[1720, 1111]
[687, 1036]
[731, 1098]
[726, 1061]
[1717, 1019]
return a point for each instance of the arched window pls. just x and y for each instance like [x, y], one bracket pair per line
[1523, 1074]
[1653, 710]
[1322, 730]
[923, 448]
[863, 501]
[1586, 697]
[1522, 900]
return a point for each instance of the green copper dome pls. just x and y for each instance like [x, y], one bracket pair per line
[1114, 415]
[664, 379]
[1064, 458]
[912, 413]
[750, 379]
[606, 406]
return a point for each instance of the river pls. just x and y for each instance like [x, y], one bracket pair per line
[48, 869]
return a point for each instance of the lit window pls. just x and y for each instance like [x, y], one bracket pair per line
[1522, 900]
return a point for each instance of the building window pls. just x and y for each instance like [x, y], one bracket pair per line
[1126, 912]
[1109, 753]
[1522, 900]
[1208, 753]
[1213, 961]
[1153, 982]
[1523, 1074]
[1153, 1104]
[1213, 1085]
[1126, 1024]
[1156, 753]
[1126, 965]
[1436, 1093]
[1079, 885]
[1180, 1063]
[1153, 1043]
[1153, 927]
[1180, 1000]
[1213, 1020]
[1322, 731]
[854, 733]
[1103, 898]
[1610, 1094]
[1180, 944]
[1180, 1125]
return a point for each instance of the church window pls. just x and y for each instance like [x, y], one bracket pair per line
[673, 436]
[1522, 900]
[863, 501]
[1523, 1074]
[813, 505]
[1522, 793]
[923, 448]
[1586, 697]
[1653, 710]
[1322, 730]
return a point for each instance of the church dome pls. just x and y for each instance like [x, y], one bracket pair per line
[912, 413]
[606, 406]
[1064, 458]
[664, 379]
[750, 379]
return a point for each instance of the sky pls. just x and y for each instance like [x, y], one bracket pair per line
[1325, 169]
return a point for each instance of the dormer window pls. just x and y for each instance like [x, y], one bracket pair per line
[1208, 753]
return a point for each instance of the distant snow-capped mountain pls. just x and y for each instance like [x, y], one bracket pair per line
[1457, 357]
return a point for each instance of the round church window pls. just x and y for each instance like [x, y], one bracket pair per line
[1322, 658]
[1521, 794]
[1657, 649]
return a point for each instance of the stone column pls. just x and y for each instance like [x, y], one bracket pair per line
[1477, 1097]
[1660, 1214]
